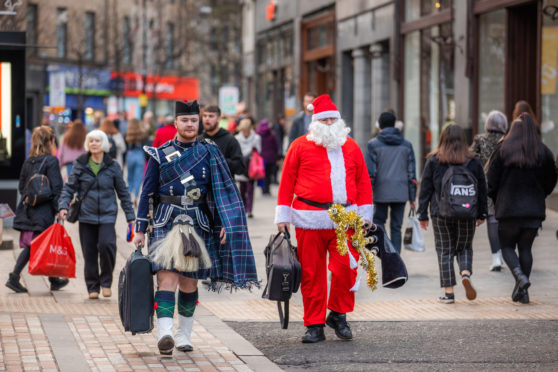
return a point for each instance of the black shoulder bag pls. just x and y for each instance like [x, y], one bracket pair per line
[283, 273]
[75, 204]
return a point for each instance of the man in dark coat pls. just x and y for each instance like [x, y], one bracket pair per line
[302, 121]
[223, 139]
[391, 167]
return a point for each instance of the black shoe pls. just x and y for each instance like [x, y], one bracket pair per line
[185, 348]
[516, 293]
[165, 345]
[14, 284]
[524, 299]
[314, 333]
[448, 298]
[338, 322]
[57, 283]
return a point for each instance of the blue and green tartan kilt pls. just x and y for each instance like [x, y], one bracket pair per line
[211, 244]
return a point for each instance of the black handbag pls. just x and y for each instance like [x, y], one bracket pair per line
[283, 273]
[75, 204]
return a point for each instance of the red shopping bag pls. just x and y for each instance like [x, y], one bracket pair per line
[256, 168]
[52, 253]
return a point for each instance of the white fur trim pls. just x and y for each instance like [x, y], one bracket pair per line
[282, 214]
[326, 114]
[338, 184]
[315, 219]
[366, 211]
[310, 107]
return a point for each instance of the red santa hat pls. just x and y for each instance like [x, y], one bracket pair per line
[323, 108]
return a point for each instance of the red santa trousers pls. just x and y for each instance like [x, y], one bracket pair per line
[313, 246]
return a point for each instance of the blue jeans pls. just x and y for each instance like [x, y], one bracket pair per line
[135, 162]
[396, 219]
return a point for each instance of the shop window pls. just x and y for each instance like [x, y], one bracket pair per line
[61, 32]
[492, 62]
[89, 35]
[549, 79]
[415, 9]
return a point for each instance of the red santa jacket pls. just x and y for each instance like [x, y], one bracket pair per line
[323, 175]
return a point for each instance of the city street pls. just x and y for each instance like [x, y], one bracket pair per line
[397, 329]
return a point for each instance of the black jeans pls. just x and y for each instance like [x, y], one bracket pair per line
[98, 244]
[269, 171]
[512, 234]
[396, 219]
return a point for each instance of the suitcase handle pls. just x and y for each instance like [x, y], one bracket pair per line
[138, 248]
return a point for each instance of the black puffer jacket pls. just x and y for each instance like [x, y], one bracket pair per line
[230, 148]
[99, 206]
[40, 217]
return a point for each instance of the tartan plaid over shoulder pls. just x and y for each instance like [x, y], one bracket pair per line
[236, 255]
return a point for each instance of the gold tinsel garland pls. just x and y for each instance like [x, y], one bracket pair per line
[351, 220]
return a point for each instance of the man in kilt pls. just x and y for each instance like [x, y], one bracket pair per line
[198, 226]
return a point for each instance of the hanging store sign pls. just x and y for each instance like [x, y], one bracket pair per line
[166, 87]
[549, 59]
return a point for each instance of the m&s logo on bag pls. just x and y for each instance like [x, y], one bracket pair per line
[59, 250]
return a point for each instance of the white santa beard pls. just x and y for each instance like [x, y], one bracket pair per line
[329, 136]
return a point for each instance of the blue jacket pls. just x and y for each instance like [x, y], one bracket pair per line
[391, 166]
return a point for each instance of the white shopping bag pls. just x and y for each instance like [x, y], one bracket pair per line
[413, 239]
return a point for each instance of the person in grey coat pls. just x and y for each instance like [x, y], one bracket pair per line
[302, 121]
[391, 166]
[97, 216]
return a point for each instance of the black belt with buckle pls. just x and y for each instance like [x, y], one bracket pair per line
[322, 205]
[181, 200]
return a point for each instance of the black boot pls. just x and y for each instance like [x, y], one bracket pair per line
[524, 299]
[14, 284]
[314, 333]
[521, 281]
[338, 322]
[57, 283]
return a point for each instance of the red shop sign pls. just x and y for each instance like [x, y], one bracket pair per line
[166, 87]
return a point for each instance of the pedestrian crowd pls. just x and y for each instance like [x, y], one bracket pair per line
[191, 183]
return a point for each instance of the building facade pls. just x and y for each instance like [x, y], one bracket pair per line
[433, 62]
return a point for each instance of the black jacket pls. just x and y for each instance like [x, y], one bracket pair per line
[99, 206]
[230, 148]
[431, 187]
[520, 192]
[38, 218]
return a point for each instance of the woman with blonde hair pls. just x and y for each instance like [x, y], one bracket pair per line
[72, 145]
[135, 159]
[453, 223]
[97, 178]
[32, 219]
[117, 146]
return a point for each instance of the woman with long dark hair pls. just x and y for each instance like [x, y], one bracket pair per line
[454, 223]
[33, 219]
[521, 174]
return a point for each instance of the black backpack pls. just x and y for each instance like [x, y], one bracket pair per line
[459, 196]
[112, 147]
[283, 272]
[37, 190]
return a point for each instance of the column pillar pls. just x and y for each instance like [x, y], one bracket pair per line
[381, 91]
[362, 122]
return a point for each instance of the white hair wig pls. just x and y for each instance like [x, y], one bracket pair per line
[99, 135]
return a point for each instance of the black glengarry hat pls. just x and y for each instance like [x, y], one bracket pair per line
[186, 108]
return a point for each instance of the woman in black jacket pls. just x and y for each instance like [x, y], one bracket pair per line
[456, 208]
[33, 220]
[100, 176]
[521, 174]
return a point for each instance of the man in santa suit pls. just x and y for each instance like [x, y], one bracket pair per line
[321, 168]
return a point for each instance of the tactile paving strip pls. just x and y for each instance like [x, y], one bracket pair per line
[404, 310]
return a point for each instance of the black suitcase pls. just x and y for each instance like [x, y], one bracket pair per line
[283, 273]
[135, 294]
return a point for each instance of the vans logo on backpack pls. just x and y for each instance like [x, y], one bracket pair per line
[463, 190]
